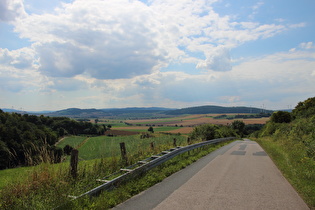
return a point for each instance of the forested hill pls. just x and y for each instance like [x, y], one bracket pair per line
[29, 139]
[216, 110]
[95, 113]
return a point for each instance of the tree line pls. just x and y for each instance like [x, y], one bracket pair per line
[29, 139]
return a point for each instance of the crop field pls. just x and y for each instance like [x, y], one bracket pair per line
[184, 124]
[73, 141]
[193, 120]
[104, 146]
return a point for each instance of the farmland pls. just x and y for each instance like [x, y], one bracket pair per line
[185, 124]
[105, 146]
[100, 155]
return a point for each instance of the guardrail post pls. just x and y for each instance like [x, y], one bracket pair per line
[188, 141]
[174, 142]
[123, 152]
[74, 163]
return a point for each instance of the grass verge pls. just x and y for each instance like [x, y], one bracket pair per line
[298, 169]
[109, 199]
[47, 186]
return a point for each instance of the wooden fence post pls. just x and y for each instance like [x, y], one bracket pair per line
[74, 163]
[188, 143]
[123, 152]
[174, 142]
[152, 145]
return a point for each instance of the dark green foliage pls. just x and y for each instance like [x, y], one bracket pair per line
[24, 139]
[226, 131]
[151, 129]
[249, 129]
[4, 154]
[215, 110]
[238, 126]
[305, 108]
[210, 131]
[281, 117]
[242, 116]
[296, 131]
[205, 132]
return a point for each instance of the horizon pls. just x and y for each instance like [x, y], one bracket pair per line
[76, 53]
[34, 111]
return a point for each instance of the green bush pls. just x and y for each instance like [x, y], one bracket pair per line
[205, 132]
[281, 117]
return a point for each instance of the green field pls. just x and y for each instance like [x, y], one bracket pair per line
[73, 141]
[104, 146]
[156, 129]
[9, 176]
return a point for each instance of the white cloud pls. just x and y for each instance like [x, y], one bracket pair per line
[114, 50]
[217, 60]
[123, 39]
[276, 77]
[21, 58]
[307, 45]
[10, 10]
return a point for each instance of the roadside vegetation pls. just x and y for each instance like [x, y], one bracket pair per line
[49, 185]
[289, 139]
[27, 140]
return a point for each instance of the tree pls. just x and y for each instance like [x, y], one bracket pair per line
[238, 126]
[305, 108]
[151, 129]
[281, 117]
[205, 132]
[4, 155]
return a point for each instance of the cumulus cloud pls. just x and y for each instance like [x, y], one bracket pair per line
[277, 77]
[114, 50]
[123, 39]
[10, 10]
[217, 60]
[15, 80]
[21, 58]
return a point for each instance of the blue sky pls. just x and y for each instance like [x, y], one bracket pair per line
[58, 54]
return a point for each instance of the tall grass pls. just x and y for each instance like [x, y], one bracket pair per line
[109, 199]
[48, 185]
[104, 146]
[292, 159]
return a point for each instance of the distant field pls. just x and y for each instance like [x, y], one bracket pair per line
[145, 128]
[73, 141]
[193, 120]
[183, 124]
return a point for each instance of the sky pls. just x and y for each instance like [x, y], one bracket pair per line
[58, 54]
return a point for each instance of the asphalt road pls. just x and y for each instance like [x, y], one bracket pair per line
[237, 176]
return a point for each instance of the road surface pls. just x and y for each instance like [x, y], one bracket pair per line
[237, 176]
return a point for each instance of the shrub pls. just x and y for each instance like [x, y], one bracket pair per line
[205, 132]
[281, 117]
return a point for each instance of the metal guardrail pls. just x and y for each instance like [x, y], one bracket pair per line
[145, 165]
